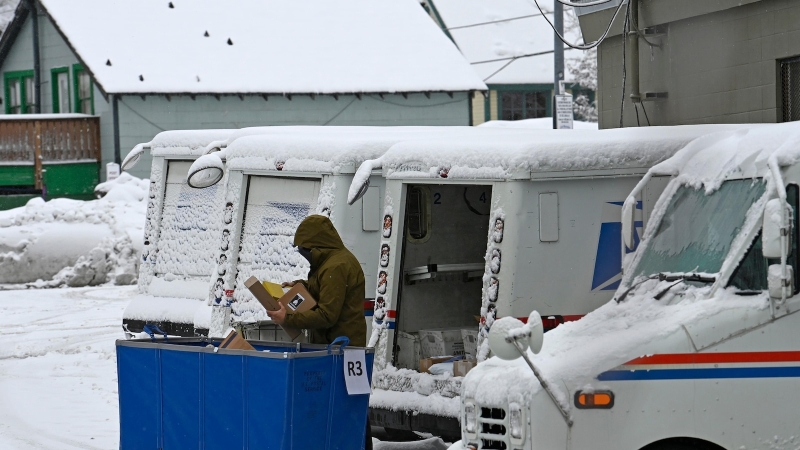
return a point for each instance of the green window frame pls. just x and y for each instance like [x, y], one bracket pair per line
[54, 73]
[82, 97]
[17, 76]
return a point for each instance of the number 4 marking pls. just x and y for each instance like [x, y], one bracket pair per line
[483, 197]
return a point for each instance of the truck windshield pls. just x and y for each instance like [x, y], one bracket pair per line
[697, 229]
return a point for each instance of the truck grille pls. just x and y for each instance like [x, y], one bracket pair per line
[493, 426]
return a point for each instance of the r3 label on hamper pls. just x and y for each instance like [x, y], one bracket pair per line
[355, 372]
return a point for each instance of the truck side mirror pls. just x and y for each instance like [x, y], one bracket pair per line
[206, 171]
[775, 225]
[776, 282]
[133, 157]
[628, 210]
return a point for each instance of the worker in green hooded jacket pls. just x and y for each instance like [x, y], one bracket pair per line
[335, 280]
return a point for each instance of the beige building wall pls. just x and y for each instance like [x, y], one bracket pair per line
[718, 67]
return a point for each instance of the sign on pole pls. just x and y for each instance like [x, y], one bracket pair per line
[563, 109]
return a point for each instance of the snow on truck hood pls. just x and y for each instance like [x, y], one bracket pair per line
[575, 353]
[503, 156]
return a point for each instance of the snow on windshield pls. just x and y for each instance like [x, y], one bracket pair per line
[697, 229]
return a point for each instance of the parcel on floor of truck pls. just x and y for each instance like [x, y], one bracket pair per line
[297, 299]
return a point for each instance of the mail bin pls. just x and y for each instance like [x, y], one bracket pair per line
[186, 393]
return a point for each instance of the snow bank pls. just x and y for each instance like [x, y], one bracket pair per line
[75, 243]
[412, 401]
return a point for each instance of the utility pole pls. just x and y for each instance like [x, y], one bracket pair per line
[558, 46]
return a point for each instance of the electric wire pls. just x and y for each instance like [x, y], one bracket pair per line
[493, 21]
[527, 55]
[590, 45]
[141, 116]
[580, 5]
[637, 114]
[645, 115]
[340, 112]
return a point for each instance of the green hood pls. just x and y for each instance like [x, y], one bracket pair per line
[317, 232]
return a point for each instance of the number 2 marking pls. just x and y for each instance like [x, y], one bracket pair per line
[437, 198]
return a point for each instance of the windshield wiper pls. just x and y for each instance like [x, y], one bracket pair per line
[680, 279]
[661, 276]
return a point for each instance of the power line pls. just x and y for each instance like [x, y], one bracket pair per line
[514, 57]
[493, 21]
[581, 5]
[590, 45]
[141, 116]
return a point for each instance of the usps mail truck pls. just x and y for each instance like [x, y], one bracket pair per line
[235, 210]
[497, 226]
[698, 348]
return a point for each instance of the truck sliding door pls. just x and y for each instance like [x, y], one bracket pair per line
[274, 208]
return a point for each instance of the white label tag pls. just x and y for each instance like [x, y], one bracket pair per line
[355, 372]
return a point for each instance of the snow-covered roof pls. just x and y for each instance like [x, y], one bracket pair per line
[261, 46]
[744, 152]
[330, 149]
[186, 142]
[512, 155]
[483, 44]
[44, 116]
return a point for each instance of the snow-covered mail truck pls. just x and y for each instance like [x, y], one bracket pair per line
[492, 226]
[254, 186]
[700, 349]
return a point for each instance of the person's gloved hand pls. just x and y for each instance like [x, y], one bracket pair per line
[278, 316]
[287, 284]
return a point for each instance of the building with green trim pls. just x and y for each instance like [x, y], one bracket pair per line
[145, 67]
[510, 46]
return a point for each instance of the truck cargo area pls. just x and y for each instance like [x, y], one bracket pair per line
[444, 244]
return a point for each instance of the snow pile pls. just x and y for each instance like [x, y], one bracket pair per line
[503, 156]
[199, 46]
[75, 243]
[187, 142]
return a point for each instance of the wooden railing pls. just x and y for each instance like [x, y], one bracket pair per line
[43, 138]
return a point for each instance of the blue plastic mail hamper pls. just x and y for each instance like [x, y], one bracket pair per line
[182, 394]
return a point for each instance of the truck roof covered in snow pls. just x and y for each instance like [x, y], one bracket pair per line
[330, 149]
[261, 46]
[528, 152]
[185, 142]
[742, 152]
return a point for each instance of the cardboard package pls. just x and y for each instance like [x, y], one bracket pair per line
[426, 363]
[470, 338]
[297, 299]
[460, 368]
[235, 342]
[441, 342]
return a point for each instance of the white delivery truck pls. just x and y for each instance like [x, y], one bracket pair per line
[699, 350]
[497, 226]
[203, 243]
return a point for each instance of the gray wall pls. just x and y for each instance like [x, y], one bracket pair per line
[719, 67]
[141, 119]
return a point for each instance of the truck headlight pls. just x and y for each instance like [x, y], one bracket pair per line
[470, 418]
[516, 421]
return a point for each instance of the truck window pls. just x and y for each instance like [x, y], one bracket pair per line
[751, 275]
[418, 214]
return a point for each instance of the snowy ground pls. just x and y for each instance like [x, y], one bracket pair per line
[58, 374]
